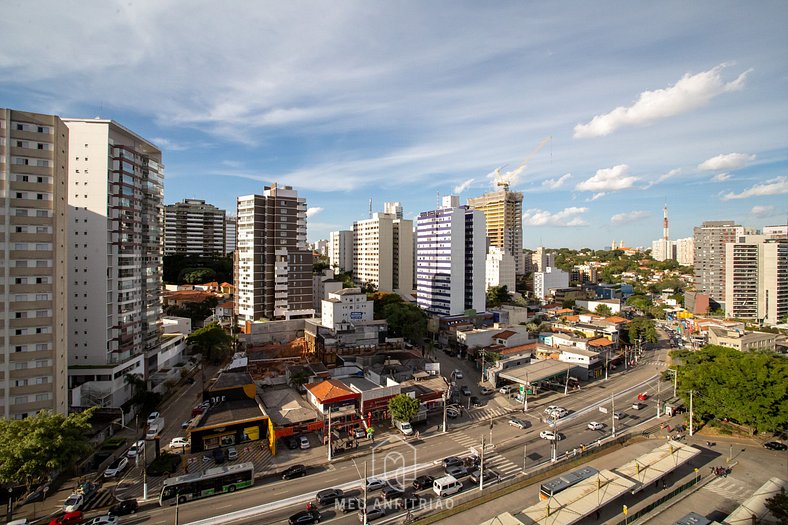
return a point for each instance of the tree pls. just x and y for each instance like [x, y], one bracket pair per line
[212, 341]
[174, 266]
[32, 449]
[639, 302]
[298, 378]
[406, 320]
[533, 329]
[778, 506]
[497, 295]
[604, 310]
[197, 312]
[197, 275]
[141, 396]
[642, 329]
[403, 407]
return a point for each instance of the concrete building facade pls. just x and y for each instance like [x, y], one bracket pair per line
[193, 227]
[450, 259]
[34, 153]
[230, 234]
[685, 251]
[273, 265]
[340, 250]
[344, 307]
[549, 279]
[709, 261]
[383, 251]
[499, 269]
[503, 213]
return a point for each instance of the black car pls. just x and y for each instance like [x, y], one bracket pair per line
[305, 516]
[465, 390]
[218, 455]
[414, 502]
[294, 471]
[475, 401]
[37, 495]
[121, 508]
[292, 443]
[329, 496]
[423, 482]
[392, 491]
[350, 504]
[775, 445]
[490, 476]
[451, 461]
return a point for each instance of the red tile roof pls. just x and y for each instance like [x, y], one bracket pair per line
[616, 319]
[517, 349]
[600, 342]
[506, 334]
[564, 311]
[329, 390]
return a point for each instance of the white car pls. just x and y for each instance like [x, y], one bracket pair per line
[595, 426]
[551, 408]
[519, 423]
[375, 483]
[303, 442]
[73, 502]
[153, 417]
[179, 442]
[550, 435]
[485, 391]
[116, 467]
[136, 449]
[457, 374]
[505, 389]
[102, 520]
[558, 413]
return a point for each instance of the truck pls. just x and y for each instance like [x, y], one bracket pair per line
[404, 427]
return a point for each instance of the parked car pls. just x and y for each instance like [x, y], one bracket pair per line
[490, 476]
[457, 471]
[294, 471]
[218, 456]
[73, 502]
[37, 495]
[186, 424]
[453, 412]
[550, 435]
[359, 433]
[486, 391]
[69, 518]
[179, 443]
[232, 454]
[375, 484]
[519, 423]
[153, 417]
[465, 390]
[292, 443]
[372, 514]
[457, 373]
[393, 491]
[305, 516]
[106, 519]
[423, 482]
[121, 508]
[505, 389]
[116, 467]
[329, 496]
[775, 445]
[303, 442]
[593, 425]
[136, 449]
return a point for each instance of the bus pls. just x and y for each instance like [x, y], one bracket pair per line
[216, 480]
[564, 481]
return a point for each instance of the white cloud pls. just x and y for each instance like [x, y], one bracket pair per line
[554, 184]
[566, 217]
[721, 177]
[596, 196]
[462, 187]
[629, 216]
[777, 186]
[731, 161]
[762, 211]
[608, 179]
[690, 92]
[311, 212]
[666, 176]
[168, 145]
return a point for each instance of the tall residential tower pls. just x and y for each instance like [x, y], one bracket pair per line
[383, 251]
[195, 228]
[503, 212]
[709, 261]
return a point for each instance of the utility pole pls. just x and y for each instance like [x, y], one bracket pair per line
[554, 444]
[481, 468]
[491, 425]
[177, 501]
[607, 365]
[483, 354]
[329, 432]
[144, 470]
[364, 512]
[444, 413]
[613, 413]
[659, 403]
[525, 454]
[675, 382]
[691, 429]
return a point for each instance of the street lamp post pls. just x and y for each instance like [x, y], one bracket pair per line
[691, 429]
[613, 413]
[144, 470]
[329, 432]
[525, 454]
[481, 468]
[444, 413]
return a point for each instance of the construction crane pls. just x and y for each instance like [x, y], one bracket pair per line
[503, 180]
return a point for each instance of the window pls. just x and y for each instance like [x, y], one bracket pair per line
[42, 346]
[19, 400]
[21, 212]
[19, 348]
[20, 195]
[20, 366]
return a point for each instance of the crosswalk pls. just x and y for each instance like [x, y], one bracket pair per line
[728, 488]
[492, 459]
[485, 413]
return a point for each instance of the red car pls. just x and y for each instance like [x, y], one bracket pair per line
[69, 518]
[642, 396]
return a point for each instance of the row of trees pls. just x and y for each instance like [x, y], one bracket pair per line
[748, 388]
[404, 319]
[195, 269]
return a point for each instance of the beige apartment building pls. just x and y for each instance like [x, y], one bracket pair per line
[503, 211]
[34, 153]
[383, 251]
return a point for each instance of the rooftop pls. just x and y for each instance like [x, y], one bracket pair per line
[329, 389]
[285, 406]
[506, 334]
[230, 412]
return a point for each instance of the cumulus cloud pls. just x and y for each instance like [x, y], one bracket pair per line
[731, 161]
[566, 217]
[608, 179]
[691, 92]
[311, 212]
[629, 216]
[762, 211]
[462, 187]
[721, 177]
[777, 186]
[554, 184]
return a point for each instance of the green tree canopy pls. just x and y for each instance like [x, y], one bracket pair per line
[197, 312]
[197, 275]
[603, 309]
[212, 341]
[639, 302]
[497, 295]
[33, 448]
[642, 330]
[748, 388]
[406, 320]
[174, 266]
[403, 407]
[778, 506]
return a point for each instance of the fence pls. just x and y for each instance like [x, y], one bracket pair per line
[654, 504]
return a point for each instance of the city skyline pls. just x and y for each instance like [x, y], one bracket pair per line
[355, 101]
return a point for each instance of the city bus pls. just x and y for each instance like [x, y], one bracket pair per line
[564, 481]
[216, 480]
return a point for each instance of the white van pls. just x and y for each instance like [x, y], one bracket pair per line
[404, 427]
[446, 486]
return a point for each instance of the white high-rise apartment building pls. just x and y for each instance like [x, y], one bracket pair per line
[549, 279]
[273, 264]
[450, 259]
[383, 251]
[542, 259]
[663, 250]
[685, 251]
[709, 261]
[115, 240]
[230, 234]
[33, 259]
[499, 269]
[192, 227]
[340, 251]
[756, 279]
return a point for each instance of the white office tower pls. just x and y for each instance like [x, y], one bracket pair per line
[193, 227]
[499, 269]
[115, 261]
[450, 259]
[663, 250]
[340, 251]
[321, 247]
[230, 234]
[394, 208]
[756, 279]
[383, 252]
[33, 255]
[542, 259]
[549, 279]
[685, 251]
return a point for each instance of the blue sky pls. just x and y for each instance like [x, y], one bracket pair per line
[646, 103]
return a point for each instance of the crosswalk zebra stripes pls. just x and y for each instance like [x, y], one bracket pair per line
[728, 488]
[492, 459]
[485, 413]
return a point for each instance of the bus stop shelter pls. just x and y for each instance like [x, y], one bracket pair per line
[651, 467]
[576, 502]
[536, 371]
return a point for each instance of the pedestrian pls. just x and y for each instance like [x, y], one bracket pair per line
[597, 515]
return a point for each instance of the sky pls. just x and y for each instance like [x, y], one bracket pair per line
[614, 108]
